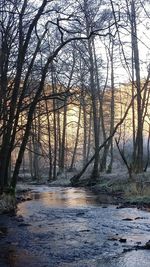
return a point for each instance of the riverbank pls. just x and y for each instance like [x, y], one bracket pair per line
[117, 186]
[135, 191]
[113, 188]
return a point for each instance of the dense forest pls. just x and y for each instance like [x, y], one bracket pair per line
[74, 88]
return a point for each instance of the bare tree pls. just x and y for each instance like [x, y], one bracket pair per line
[25, 64]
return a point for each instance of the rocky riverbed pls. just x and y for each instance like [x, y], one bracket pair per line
[73, 227]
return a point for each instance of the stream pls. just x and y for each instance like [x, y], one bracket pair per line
[70, 227]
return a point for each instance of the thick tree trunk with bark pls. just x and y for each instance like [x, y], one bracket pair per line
[112, 110]
[138, 161]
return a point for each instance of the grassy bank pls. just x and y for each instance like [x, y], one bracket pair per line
[135, 191]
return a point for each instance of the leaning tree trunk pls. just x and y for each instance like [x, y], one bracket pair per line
[75, 179]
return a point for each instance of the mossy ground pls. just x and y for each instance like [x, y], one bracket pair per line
[135, 191]
[7, 201]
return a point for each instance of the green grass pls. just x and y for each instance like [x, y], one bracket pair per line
[138, 199]
[134, 192]
[112, 186]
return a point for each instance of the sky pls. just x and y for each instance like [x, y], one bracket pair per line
[143, 32]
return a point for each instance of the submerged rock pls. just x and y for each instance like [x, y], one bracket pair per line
[3, 231]
[147, 245]
[139, 218]
[80, 214]
[24, 224]
[123, 240]
[127, 219]
[114, 238]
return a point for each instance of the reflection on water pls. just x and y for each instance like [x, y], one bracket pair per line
[69, 197]
[58, 197]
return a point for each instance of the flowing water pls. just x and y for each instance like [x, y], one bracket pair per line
[70, 227]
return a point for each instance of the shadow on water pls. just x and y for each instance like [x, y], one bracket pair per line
[11, 256]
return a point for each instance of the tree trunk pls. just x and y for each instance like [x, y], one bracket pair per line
[49, 142]
[138, 163]
[30, 158]
[95, 172]
[76, 142]
[111, 52]
[63, 142]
